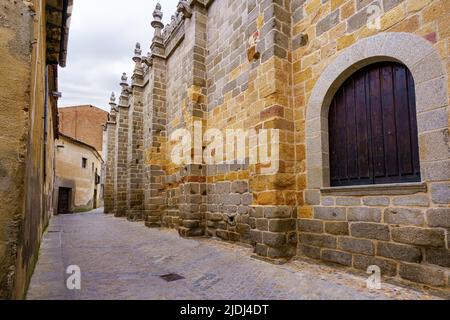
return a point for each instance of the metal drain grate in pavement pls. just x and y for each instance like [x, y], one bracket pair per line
[171, 277]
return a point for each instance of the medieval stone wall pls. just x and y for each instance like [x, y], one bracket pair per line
[178, 65]
[121, 157]
[402, 229]
[228, 201]
[265, 64]
[135, 161]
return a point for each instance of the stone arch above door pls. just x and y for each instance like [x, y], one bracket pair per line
[431, 98]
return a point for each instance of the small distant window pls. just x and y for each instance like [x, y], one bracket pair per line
[84, 163]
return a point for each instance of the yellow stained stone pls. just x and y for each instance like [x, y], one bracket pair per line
[312, 6]
[305, 213]
[408, 25]
[302, 76]
[392, 17]
[260, 21]
[416, 5]
[433, 12]
[346, 41]
[336, 4]
[347, 10]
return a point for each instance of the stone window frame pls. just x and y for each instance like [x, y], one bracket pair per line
[432, 103]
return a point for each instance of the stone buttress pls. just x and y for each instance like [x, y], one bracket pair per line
[109, 196]
[155, 134]
[192, 202]
[122, 128]
[135, 191]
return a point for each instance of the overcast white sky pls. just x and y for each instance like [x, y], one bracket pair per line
[103, 34]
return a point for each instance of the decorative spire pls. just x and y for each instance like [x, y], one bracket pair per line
[124, 81]
[157, 18]
[138, 67]
[112, 103]
[137, 50]
[158, 12]
[112, 100]
[137, 53]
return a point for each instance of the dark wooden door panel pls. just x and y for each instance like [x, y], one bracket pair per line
[402, 120]
[334, 170]
[373, 128]
[341, 134]
[376, 130]
[362, 135]
[413, 126]
[388, 115]
[63, 200]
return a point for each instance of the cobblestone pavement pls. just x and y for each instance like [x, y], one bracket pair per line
[124, 260]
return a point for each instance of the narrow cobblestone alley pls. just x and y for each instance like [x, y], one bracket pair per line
[123, 260]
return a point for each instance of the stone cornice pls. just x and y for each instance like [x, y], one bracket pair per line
[124, 98]
[155, 55]
[175, 39]
[137, 80]
[185, 9]
[208, 3]
[177, 20]
[157, 50]
[139, 85]
[200, 3]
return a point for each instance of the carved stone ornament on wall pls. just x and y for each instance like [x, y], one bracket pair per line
[252, 52]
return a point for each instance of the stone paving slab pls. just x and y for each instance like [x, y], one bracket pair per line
[124, 260]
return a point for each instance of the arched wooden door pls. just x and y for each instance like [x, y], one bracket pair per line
[373, 128]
